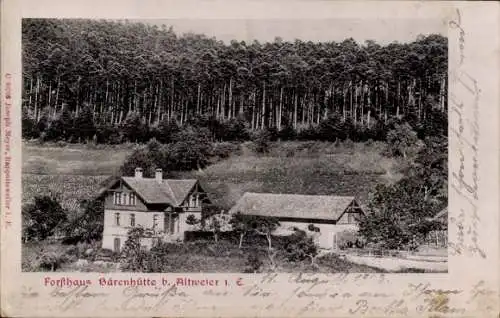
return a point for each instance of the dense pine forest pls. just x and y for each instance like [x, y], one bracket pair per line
[112, 81]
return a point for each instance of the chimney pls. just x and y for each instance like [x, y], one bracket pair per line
[159, 175]
[138, 173]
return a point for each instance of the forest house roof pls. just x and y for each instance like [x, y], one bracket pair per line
[169, 191]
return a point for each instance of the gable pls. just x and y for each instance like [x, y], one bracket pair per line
[352, 211]
[197, 188]
[181, 189]
[150, 191]
[119, 186]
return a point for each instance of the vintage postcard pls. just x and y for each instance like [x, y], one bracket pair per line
[250, 159]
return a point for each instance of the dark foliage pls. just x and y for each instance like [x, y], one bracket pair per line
[88, 226]
[42, 218]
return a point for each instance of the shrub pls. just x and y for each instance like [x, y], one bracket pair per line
[402, 140]
[349, 144]
[298, 247]
[89, 225]
[235, 130]
[287, 132]
[261, 141]
[42, 218]
[347, 239]
[53, 260]
[225, 149]
[313, 228]
[253, 263]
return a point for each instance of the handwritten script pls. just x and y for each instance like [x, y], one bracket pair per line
[330, 294]
[465, 96]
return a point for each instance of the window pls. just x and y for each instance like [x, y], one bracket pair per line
[155, 221]
[131, 198]
[117, 219]
[132, 219]
[124, 198]
[117, 198]
[117, 244]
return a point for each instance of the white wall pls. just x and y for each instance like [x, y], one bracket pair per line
[111, 230]
[144, 219]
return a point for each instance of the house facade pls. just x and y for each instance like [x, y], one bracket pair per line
[161, 206]
[324, 217]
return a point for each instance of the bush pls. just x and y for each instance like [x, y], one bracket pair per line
[89, 225]
[42, 218]
[235, 130]
[348, 239]
[402, 140]
[224, 150]
[308, 132]
[298, 247]
[53, 260]
[253, 263]
[261, 141]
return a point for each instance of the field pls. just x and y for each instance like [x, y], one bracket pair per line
[73, 159]
[70, 189]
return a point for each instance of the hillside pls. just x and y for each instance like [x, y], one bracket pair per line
[75, 172]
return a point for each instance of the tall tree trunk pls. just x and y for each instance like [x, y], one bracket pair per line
[240, 112]
[280, 112]
[198, 99]
[223, 102]
[295, 106]
[49, 95]
[230, 97]
[217, 111]
[398, 98]
[37, 90]
[253, 109]
[263, 115]
[31, 92]
[351, 108]
[57, 91]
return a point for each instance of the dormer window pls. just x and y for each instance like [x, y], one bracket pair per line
[118, 198]
[124, 198]
[193, 201]
[131, 199]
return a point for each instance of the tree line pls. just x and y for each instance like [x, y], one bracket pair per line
[85, 79]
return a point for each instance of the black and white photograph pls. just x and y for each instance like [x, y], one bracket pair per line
[234, 145]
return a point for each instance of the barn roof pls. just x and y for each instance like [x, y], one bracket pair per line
[169, 191]
[325, 207]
